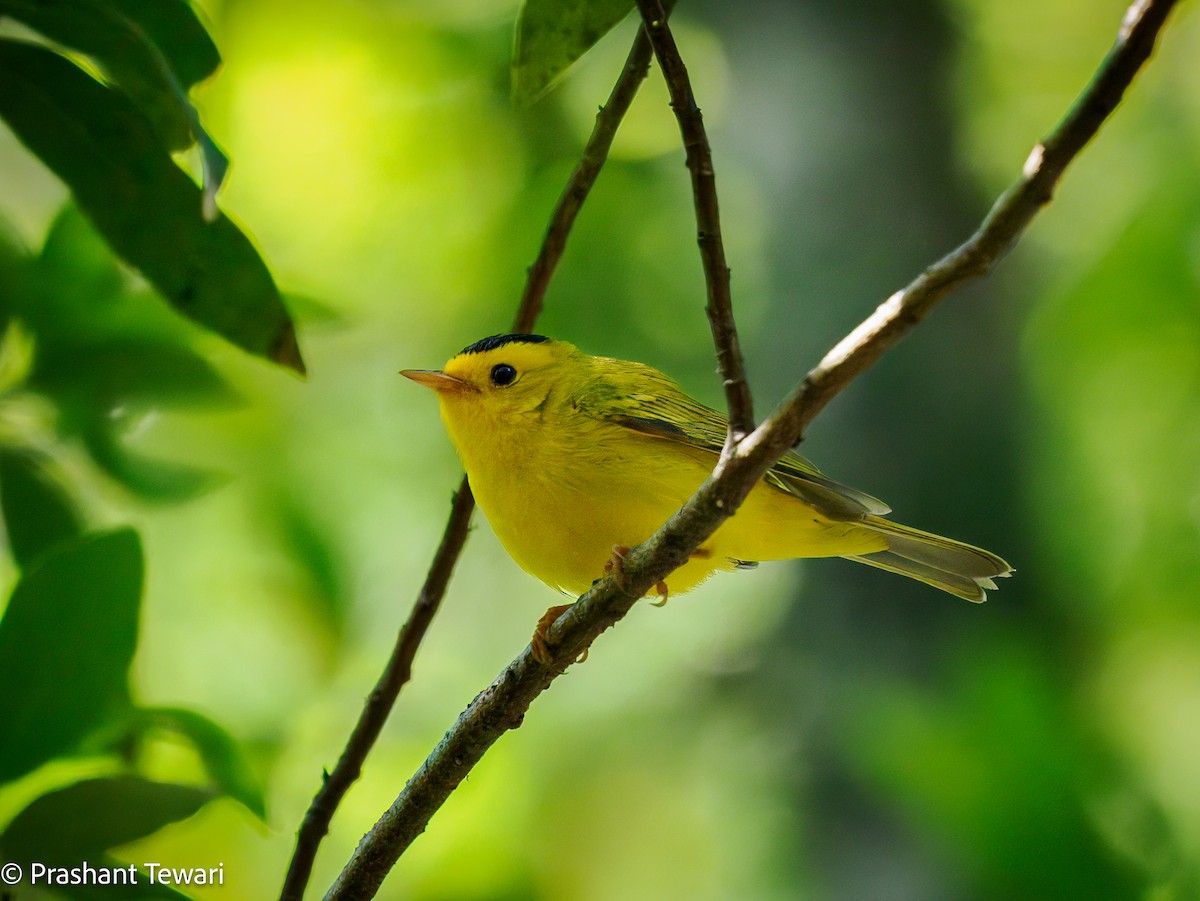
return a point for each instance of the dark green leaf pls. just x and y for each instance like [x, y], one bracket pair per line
[178, 34]
[132, 374]
[83, 279]
[103, 390]
[87, 818]
[98, 142]
[83, 296]
[38, 513]
[153, 49]
[108, 30]
[552, 34]
[220, 752]
[66, 641]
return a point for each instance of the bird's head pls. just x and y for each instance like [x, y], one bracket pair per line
[497, 380]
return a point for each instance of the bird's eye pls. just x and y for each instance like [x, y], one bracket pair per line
[503, 374]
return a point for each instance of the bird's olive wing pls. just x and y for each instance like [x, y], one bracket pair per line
[658, 408]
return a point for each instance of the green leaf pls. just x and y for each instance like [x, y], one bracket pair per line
[105, 378]
[177, 32]
[164, 37]
[132, 374]
[306, 536]
[66, 641]
[38, 513]
[222, 755]
[71, 824]
[147, 208]
[552, 34]
[153, 49]
[83, 281]
[83, 296]
[158, 480]
[103, 390]
[15, 265]
[150, 478]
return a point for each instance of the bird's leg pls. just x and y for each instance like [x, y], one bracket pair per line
[616, 566]
[540, 643]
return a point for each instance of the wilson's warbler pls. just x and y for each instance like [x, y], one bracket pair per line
[573, 457]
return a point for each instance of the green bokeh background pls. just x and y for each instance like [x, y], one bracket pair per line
[814, 730]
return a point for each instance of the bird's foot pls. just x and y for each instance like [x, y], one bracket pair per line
[616, 566]
[540, 645]
[540, 642]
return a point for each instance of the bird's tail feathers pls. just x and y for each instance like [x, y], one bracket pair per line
[953, 566]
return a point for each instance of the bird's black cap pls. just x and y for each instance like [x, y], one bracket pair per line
[491, 343]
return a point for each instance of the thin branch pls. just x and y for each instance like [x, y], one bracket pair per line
[1008, 218]
[398, 671]
[503, 704]
[708, 220]
[380, 701]
[637, 64]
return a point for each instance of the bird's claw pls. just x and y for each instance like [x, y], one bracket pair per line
[539, 644]
[661, 587]
[616, 566]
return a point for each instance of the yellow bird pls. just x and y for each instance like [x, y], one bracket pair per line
[573, 458]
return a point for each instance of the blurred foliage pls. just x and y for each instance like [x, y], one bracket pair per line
[552, 35]
[813, 730]
[85, 354]
[112, 142]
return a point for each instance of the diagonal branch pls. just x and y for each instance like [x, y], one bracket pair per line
[503, 704]
[1004, 224]
[708, 220]
[380, 701]
[398, 670]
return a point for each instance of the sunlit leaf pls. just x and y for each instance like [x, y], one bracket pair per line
[552, 34]
[38, 513]
[222, 756]
[98, 142]
[66, 641]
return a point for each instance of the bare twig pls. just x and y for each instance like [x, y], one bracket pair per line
[1008, 218]
[503, 704]
[708, 221]
[399, 667]
[381, 699]
[582, 179]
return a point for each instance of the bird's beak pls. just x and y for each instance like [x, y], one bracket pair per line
[439, 381]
